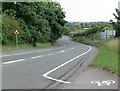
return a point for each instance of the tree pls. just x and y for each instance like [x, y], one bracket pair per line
[116, 24]
[41, 22]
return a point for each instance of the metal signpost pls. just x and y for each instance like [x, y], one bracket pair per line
[16, 33]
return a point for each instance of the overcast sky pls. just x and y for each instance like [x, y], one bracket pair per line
[89, 10]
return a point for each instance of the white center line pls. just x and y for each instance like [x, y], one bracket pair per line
[62, 51]
[26, 53]
[49, 54]
[33, 51]
[13, 61]
[36, 57]
[30, 52]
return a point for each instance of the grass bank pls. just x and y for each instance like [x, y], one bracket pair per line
[25, 46]
[107, 58]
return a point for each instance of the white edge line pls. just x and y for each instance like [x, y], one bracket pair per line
[5, 55]
[47, 73]
[27, 52]
[33, 52]
[13, 61]
[34, 57]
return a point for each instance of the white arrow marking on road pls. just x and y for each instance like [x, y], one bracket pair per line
[47, 73]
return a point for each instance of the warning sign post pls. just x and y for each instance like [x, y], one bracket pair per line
[16, 33]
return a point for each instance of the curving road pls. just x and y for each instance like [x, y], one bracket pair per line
[43, 68]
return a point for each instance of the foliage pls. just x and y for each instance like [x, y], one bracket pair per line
[9, 24]
[107, 57]
[40, 22]
[116, 24]
[92, 33]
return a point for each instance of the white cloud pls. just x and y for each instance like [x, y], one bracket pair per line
[89, 10]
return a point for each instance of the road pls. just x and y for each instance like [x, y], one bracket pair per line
[43, 68]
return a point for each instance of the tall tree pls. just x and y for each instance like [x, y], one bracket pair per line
[116, 24]
[42, 21]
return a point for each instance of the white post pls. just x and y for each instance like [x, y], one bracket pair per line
[16, 41]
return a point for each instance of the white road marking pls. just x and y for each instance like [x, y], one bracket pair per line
[45, 50]
[47, 73]
[26, 53]
[36, 57]
[62, 51]
[21, 53]
[49, 54]
[13, 61]
[5, 55]
[32, 52]
[70, 49]
[46, 76]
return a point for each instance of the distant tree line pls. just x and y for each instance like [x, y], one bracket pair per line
[37, 22]
[93, 32]
[73, 26]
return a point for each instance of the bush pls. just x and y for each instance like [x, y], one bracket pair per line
[9, 25]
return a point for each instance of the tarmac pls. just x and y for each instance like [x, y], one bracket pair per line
[94, 78]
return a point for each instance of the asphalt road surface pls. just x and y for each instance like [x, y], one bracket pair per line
[43, 68]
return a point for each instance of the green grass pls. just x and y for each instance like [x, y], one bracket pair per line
[107, 57]
[111, 45]
[107, 60]
[25, 46]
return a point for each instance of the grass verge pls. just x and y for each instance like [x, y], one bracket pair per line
[25, 46]
[107, 58]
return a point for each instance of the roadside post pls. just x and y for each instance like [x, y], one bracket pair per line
[16, 34]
